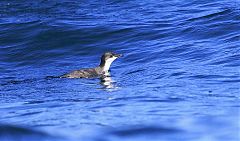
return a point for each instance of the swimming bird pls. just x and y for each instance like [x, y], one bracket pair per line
[100, 71]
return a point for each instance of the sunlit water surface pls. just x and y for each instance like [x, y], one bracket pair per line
[179, 78]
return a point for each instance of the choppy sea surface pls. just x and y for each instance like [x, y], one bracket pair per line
[179, 78]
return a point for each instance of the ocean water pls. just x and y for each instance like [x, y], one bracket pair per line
[179, 78]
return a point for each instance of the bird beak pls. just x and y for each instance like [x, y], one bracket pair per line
[118, 55]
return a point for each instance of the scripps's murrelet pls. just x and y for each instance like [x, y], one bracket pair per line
[101, 71]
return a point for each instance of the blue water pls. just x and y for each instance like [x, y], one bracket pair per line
[179, 78]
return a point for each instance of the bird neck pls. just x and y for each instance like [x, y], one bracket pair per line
[105, 64]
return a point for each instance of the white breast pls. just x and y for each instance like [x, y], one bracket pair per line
[108, 64]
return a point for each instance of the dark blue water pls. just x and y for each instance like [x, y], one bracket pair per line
[179, 78]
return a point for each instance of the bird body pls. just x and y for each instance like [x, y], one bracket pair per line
[101, 71]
